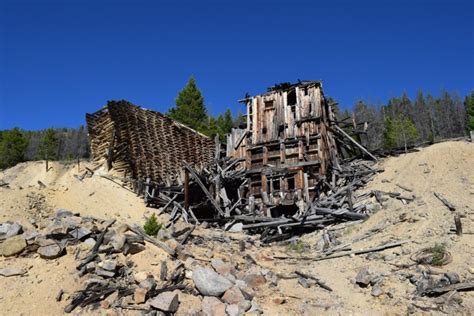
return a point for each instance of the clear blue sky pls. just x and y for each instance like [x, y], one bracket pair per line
[61, 59]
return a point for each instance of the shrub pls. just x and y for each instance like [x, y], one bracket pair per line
[152, 226]
[297, 246]
[438, 252]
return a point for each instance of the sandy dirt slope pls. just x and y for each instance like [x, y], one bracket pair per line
[447, 168]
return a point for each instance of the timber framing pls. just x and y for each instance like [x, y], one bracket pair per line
[142, 144]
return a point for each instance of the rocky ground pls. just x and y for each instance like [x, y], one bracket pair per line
[65, 221]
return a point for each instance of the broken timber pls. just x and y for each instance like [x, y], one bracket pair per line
[445, 202]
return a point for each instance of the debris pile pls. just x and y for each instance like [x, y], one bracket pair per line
[217, 196]
[104, 251]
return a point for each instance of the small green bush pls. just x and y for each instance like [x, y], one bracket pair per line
[438, 251]
[152, 226]
[298, 246]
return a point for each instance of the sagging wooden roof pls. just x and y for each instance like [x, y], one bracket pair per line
[143, 144]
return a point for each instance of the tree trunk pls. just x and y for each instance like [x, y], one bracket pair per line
[404, 137]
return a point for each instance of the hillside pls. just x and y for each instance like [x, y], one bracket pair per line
[446, 168]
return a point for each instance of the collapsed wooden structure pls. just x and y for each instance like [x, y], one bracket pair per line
[286, 172]
[142, 144]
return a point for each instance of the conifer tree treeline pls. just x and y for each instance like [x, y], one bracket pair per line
[18, 145]
[469, 108]
[403, 122]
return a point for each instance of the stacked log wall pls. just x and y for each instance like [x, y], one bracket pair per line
[146, 144]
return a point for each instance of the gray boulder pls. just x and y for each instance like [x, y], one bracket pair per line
[9, 229]
[210, 283]
[7, 272]
[166, 302]
[212, 306]
[51, 251]
[453, 277]
[364, 277]
[60, 213]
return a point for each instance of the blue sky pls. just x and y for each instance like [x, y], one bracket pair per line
[61, 59]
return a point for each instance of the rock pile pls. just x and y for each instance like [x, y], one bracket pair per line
[104, 250]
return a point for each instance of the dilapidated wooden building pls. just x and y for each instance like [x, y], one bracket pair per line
[288, 145]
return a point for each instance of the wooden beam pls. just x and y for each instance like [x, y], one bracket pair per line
[204, 189]
[355, 142]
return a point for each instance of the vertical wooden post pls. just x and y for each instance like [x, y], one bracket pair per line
[47, 168]
[282, 152]
[458, 224]
[306, 187]
[146, 191]
[300, 151]
[264, 186]
[78, 165]
[349, 199]
[186, 189]
[217, 143]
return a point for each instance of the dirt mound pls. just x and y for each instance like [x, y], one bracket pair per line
[446, 168]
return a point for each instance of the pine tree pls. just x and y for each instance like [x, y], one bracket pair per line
[431, 105]
[212, 128]
[421, 116]
[390, 134]
[469, 108]
[399, 132]
[240, 120]
[190, 109]
[13, 144]
[408, 132]
[226, 123]
[48, 147]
